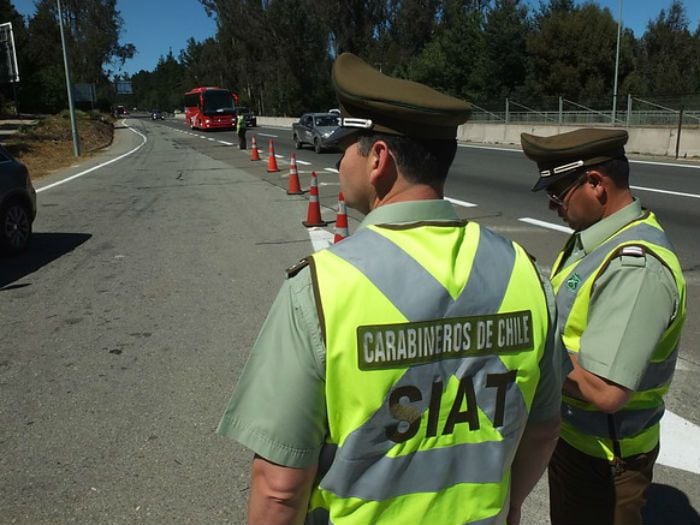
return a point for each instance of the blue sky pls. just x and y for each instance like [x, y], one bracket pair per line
[155, 26]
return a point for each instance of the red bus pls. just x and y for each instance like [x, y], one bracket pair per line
[210, 108]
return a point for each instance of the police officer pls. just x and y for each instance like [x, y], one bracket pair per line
[621, 301]
[240, 131]
[405, 374]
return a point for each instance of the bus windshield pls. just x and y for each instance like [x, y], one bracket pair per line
[218, 103]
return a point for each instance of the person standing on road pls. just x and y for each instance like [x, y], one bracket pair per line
[407, 373]
[621, 300]
[240, 130]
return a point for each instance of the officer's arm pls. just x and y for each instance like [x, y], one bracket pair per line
[279, 495]
[604, 394]
[534, 451]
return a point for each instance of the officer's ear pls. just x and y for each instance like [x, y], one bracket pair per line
[599, 184]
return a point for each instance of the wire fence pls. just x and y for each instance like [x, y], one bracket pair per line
[663, 111]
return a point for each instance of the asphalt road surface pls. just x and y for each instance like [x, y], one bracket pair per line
[126, 324]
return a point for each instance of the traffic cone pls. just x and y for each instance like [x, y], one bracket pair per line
[254, 153]
[294, 187]
[271, 160]
[341, 220]
[313, 215]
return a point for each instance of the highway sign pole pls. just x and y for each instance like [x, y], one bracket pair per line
[71, 109]
[617, 63]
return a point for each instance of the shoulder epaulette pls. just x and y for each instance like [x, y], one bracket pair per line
[633, 251]
[295, 269]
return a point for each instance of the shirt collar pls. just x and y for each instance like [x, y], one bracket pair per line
[411, 211]
[596, 234]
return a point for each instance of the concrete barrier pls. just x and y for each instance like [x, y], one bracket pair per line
[656, 141]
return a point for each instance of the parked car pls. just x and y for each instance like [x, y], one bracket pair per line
[157, 114]
[17, 204]
[120, 111]
[314, 129]
[250, 119]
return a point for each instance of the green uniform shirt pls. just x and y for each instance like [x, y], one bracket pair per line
[278, 407]
[632, 302]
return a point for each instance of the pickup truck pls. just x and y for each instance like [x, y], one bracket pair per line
[314, 129]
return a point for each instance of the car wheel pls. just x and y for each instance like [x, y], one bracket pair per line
[297, 142]
[317, 145]
[15, 227]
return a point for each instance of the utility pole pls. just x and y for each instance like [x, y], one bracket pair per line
[71, 109]
[617, 63]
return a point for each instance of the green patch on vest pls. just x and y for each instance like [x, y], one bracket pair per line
[381, 347]
[573, 282]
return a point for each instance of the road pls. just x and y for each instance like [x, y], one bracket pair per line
[126, 324]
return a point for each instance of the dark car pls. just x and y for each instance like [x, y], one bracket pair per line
[17, 204]
[314, 129]
[250, 118]
[157, 114]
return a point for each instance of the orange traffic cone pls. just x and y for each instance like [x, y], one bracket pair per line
[254, 153]
[313, 216]
[294, 187]
[341, 220]
[271, 160]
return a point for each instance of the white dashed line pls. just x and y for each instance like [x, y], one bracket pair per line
[545, 224]
[463, 204]
[667, 192]
[320, 238]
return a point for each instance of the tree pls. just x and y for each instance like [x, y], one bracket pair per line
[92, 29]
[572, 53]
[454, 61]
[8, 13]
[505, 36]
[669, 59]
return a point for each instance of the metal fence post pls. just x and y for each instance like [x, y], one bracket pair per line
[507, 110]
[561, 110]
[629, 109]
[680, 126]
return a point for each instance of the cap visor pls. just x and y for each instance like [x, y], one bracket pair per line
[545, 182]
[341, 134]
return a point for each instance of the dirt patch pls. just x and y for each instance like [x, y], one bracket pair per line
[47, 146]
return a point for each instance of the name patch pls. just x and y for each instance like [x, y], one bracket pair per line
[404, 344]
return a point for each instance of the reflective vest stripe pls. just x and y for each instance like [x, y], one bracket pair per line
[435, 301]
[591, 263]
[597, 423]
[659, 373]
[346, 478]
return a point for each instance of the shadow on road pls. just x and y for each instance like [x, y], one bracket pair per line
[45, 248]
[668, 506]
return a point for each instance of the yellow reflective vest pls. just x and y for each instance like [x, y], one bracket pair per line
[434, 333]
[635, 428]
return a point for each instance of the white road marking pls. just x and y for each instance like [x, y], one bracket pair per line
[331, 170]
[632, 161]
[657, 163]
[226, 143]
[320, 238]
[115, 159]
[463, 204]
[267, 135]
[303, 162]
[495, 148]
[679, 443]
[329, 183]
[667, 192]
[545, 224]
